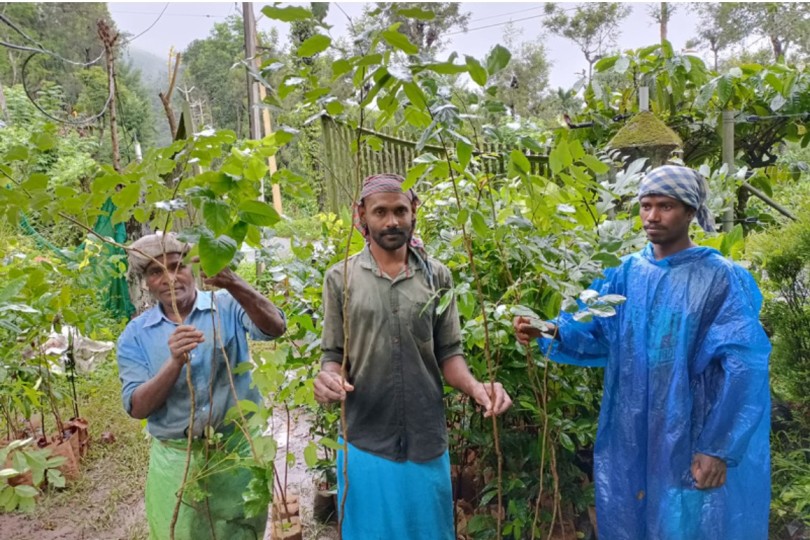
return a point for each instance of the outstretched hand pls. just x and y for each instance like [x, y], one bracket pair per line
[492, 397]
[527, 329]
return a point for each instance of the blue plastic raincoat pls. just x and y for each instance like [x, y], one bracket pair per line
[686, 371]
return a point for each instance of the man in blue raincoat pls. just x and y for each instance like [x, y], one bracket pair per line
[682, 445]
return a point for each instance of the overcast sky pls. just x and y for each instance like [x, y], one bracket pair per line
[183, 22]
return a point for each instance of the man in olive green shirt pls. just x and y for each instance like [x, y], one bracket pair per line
[399, 348]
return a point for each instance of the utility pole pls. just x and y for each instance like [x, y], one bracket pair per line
[256, 95]
[252, 86]
[728, 159]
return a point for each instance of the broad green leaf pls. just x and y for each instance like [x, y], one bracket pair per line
[340, 67]
[609, 260]
[217, 216]
[477, 73]
[417, 13]
[287, 14]
[331, 443]
[12, 288]
[44, 141]
[602, 311]
[463, 153]
[595, 164]
[17, 153]
[216, 253]
[520, 161]
[26, 491]
[621, 64]
[311, 454]
[314, 45]
[255, 169]
[479, 225]
[334, 108]
[55, 478]
[399, 41]
[497, 59]
[583, 316]
[446, 68]
[258, 213]
[415, 95]
[126, 198]
[605, 63]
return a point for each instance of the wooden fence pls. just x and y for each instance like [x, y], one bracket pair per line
[396, 154]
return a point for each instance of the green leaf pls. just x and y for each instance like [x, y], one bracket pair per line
[605, 63]
[497, 59]
[479, 225]
[314, 45]
[583, 316]
[331, 443]
[520, 161]
[446, 68]
[12, 288]
[258, 213]
[415, 95]
[126, 198]
[340, 67]
[17, 153]
[725, 89]
[595, 164]
[463, 153]
[26, 491]
[608, 260]
[217, 216]
[417, 13]
[287, 14]
[55, 478]
[311, 454]
[400, 41]
[622, 64]
[216, 253]
[602, 311]
[255, 169]
[477, 73]
[44, 141]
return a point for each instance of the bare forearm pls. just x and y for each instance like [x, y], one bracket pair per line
[260, 310]
[458, 375]
[152, 394]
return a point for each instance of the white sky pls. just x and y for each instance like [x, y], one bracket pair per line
[184, 22]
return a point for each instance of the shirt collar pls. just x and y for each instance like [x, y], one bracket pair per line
[155, 315]
[367, 261]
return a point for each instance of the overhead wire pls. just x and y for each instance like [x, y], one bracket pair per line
[40, 49]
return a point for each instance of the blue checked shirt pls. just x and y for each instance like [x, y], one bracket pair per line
[143, 348]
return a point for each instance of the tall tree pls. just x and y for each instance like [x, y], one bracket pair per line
[662, 14]
[523, 84]
[210, 70]
[593, 27]
[428, 32]
[786, 26]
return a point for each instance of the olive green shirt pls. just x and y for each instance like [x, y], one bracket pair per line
[397, 343]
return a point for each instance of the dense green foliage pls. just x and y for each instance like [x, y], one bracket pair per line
[516, 241]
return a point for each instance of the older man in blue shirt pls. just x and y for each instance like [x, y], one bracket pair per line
[206, 332]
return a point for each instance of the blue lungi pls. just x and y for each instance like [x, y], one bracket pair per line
[390, 500]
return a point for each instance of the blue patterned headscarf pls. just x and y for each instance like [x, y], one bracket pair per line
[681, 183]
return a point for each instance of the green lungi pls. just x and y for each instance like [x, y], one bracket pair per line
[219, 514]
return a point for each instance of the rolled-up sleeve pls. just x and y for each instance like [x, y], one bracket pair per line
[447, 331]
[332, 334]
[133, 366]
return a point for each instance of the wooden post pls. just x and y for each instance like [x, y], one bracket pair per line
[728, 159]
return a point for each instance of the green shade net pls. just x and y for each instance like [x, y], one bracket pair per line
[116, 295]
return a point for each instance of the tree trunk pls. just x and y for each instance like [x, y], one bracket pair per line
[109, 40]
[664, 21]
